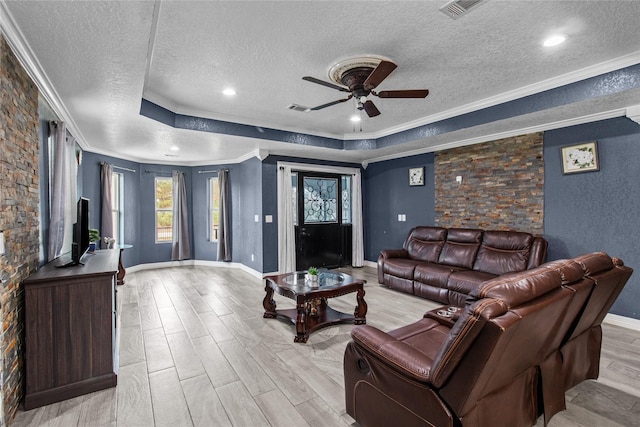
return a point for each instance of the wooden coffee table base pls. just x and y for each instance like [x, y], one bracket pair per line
[308, 321]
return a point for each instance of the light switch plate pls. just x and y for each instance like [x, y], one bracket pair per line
[1, 242]
[256, 218]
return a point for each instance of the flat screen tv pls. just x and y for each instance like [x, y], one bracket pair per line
[80, 242]
[80, 231]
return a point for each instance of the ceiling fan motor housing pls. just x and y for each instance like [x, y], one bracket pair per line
[354, 79]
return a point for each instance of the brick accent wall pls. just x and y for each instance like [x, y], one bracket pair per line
[502, 185]
[19, 199]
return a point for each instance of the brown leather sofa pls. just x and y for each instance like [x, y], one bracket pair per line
[445, 265]
[503, 359]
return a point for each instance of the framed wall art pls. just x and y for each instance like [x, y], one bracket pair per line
[580, 158]
[416, 176]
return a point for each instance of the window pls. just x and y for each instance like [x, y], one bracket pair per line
[164, 209]
[214, 208]
[320, 200]
[346, 199]
[117, 213]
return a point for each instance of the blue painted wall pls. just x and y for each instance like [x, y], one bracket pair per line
[247, 203]
[597, 211]
[386, 193]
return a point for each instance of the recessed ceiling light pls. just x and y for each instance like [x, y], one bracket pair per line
[229, 91]
[174, 148]
[355, 118]
[554, 40]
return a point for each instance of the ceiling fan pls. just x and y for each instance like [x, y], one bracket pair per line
[361, 77]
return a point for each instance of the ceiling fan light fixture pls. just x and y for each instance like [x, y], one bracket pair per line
[554, 40]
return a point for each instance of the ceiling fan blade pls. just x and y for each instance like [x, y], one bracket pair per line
[370, 109]
[329, 104]
[323, 83]
[418, 93]
[380, 73]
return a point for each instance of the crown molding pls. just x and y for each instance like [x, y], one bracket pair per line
[507, 134]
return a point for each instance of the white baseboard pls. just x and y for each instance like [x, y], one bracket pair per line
[192, 262]
[625, 322]
[372, 264]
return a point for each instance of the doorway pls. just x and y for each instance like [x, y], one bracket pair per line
[323, 224]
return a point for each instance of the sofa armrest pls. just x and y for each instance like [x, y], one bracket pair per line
[396, 353]
[394, 253]
[386, 254]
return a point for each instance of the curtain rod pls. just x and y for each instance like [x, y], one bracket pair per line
[213, 171]
[155, 171]
[119, 167]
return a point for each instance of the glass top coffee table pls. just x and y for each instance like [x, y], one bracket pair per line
[312, 311]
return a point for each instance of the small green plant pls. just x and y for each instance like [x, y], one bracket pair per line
[313, 271]
[94, 235]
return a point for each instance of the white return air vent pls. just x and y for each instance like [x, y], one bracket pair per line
[296, 107]
[458, 8]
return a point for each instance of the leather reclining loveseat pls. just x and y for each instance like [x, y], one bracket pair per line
[445, 265]
[519, 343]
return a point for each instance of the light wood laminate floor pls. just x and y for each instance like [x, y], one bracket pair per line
[195, 350]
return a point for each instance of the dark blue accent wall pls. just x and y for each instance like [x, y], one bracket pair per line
[386, 193]
[597, 211]
[247, 203]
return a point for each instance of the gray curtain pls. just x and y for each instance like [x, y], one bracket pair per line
[181, 248]
[63, 190]
[224, 229]
[106, 209]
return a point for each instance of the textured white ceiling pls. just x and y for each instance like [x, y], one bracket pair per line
[99, 59]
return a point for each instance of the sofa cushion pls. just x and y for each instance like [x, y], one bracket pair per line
[425, 243]
[461, 247]
[464, 281]
[400, 267]
[503, 252]
[433, 274]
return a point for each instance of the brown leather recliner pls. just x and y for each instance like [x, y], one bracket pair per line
[496, 365]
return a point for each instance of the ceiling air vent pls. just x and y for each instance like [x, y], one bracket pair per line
[296, 107]
[458, 8]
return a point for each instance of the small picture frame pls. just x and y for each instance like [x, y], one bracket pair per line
[580, 158]
[416, 176]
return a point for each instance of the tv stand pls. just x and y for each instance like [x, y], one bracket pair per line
[70, 330]
[69, 264]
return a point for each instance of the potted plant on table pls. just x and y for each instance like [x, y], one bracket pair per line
[94, 236]
[312, 276]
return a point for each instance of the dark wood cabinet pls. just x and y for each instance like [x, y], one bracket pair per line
[70, 329]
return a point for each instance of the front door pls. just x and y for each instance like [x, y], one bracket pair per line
[323, 226]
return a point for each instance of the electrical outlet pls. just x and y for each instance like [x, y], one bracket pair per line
[252, 257]
[1, 242]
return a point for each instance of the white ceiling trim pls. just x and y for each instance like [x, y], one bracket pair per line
[552, 83]
[501, 135]
[30, 63]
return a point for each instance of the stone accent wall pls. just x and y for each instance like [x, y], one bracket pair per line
[19, 199]
[502, 185]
